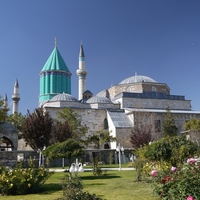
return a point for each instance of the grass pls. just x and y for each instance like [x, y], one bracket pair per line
[115, 185]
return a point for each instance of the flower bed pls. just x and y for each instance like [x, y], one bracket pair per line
[180, 182]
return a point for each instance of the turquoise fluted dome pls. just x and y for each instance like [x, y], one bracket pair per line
[55, 77]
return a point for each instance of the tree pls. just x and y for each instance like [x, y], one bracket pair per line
[72, 120]
[61, 131]
[68, 149]
[169, 127]
[192, 124]
[100, 138]
[37, 129]
[17, 119]
[3, 111]
[140, 136]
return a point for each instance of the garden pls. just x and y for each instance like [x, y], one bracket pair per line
[111, 185]
[165, 169]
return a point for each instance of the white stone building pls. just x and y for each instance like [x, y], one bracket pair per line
[135, 99]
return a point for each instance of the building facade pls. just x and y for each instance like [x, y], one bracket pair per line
[134, 100]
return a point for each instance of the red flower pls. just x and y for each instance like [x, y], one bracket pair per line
[167, 178]
[163, 181]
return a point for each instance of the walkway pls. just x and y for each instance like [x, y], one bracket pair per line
[90, 169]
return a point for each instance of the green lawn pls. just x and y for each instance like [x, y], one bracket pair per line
[115, 185]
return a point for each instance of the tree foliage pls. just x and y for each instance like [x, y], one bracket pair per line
[3, 111]
[170, 149]
[40, 130]
[140, 136]
[100, 138]
[68, 149]
[192, 124]
[61, 131]
[169, 127]
[70, 118]
[37, 129]
[17, 119]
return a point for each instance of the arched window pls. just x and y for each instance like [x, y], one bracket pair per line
[6, 144]
[105, 124]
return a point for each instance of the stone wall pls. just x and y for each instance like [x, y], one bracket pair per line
[155, 103]
[138, 87]
[10, 158]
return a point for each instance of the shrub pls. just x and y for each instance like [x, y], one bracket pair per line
[139, 164]
[20, 180]
[149, 166]
[173, 150]
[73, 190]
[96, 167]
[178, 183]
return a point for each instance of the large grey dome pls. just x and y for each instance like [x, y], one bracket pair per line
[98, 99]
[137, 79]
[63, 97]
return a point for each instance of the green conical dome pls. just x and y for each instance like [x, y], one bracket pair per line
[55, 77]
[55, 62]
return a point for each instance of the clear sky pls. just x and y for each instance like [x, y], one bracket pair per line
[155, 38]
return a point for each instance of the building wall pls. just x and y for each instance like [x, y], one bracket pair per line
[138, 88]
[150, 118]
[123, 135]
[154, 103]
[92, 118]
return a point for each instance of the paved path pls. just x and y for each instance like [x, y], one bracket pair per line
[90, 169]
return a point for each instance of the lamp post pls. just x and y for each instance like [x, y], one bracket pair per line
[120, 150]
[76, 167]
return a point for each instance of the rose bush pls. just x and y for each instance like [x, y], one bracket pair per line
[180, 182]
[20, 180]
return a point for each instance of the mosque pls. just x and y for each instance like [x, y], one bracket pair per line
[136, 99]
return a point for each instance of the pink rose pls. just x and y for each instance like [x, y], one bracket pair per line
[154, 172]
[190, 198]
[173, 169]
[191, 160]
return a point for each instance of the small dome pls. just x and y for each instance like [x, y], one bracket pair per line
[98, 99]
[137, 79]
[63, 97]
[102, 93]
[87, 92]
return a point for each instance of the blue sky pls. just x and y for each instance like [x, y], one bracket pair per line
[155, 38]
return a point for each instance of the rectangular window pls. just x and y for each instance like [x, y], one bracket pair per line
[157, 126]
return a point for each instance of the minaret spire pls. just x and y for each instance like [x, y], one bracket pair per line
[5, 101]
[81, 73]
[55, 42]
[16, 97]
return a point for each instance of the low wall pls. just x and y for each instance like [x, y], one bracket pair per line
[10, 158]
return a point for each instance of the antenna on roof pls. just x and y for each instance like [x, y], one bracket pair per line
[55, 42]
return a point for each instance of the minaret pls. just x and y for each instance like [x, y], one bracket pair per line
[15, 97]
[5, 101]
[81, 73]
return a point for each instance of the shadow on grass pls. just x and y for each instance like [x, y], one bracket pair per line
[98, 177]
[95, 184]
[50, 188]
